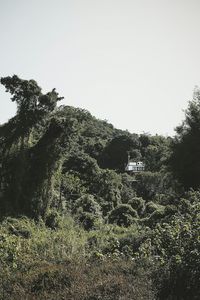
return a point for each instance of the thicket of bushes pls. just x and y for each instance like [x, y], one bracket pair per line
[108, 262]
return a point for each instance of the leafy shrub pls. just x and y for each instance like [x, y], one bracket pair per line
[123, 215]
[138, 204]
[87, 204]
[107, 185]
[88, 220]
[87, 211]
[152, 207]
[53, 219]
[155, 218]
[176, 245]
[170, 210]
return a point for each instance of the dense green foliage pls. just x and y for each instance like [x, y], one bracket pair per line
[75, 225]
[186, 147]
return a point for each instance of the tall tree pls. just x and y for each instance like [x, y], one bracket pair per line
[185, 158]
[115, 154]
[32, 105]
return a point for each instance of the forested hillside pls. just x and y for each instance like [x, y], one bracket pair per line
[75, 224]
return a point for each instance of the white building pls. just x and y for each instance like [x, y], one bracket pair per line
[135, 167]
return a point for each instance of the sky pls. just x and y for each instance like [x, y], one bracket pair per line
[134, 63]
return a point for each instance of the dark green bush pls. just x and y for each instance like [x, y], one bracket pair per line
[88, 220]
[123, 215]
[53, 219]
[152, 207]
[138, 204]
[87, 211]
[87, 203]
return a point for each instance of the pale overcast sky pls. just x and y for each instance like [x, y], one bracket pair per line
[132, 62]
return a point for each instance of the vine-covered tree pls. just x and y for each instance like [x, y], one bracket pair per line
[32, 105]
[21, 159]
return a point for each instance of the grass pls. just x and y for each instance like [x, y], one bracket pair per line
[40, 263]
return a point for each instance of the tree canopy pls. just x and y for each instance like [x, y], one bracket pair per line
[184, 160]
